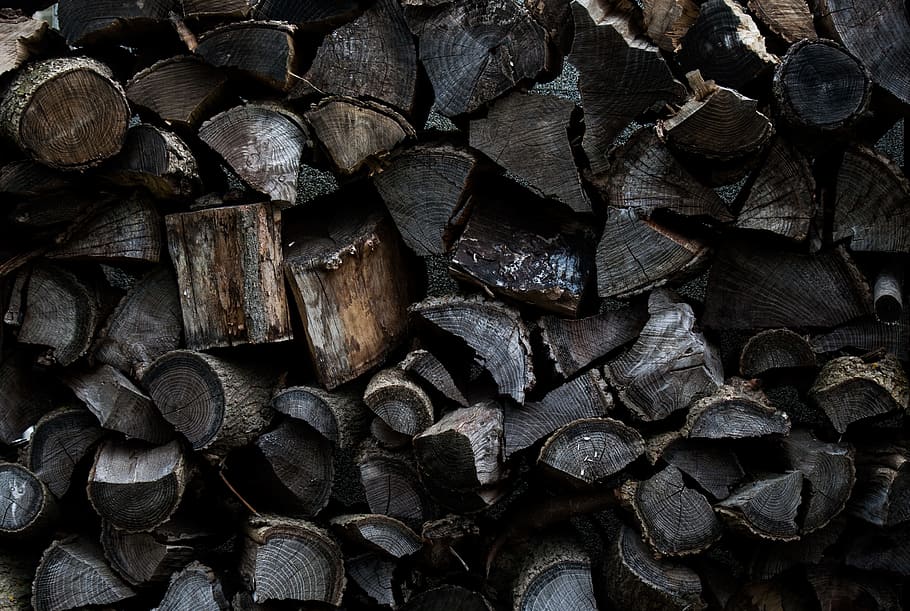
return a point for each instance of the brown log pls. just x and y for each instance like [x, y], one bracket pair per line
[60, 441]
[667, 21]
[773, 351]
[182, 90]
[590, 450]
[399, 402]
[196, 587]
[790, 20]
[157, 160]
[21, 38]
[263, 50]
[340, 416]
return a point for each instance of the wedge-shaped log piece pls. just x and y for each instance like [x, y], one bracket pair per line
[146, 324]
[615, 92]
[475, 51]
[766, 508]
[377, 533]
[286, 559]
[217, 8]
[850, 389]
[494, 331]
[216, 403]
[585, 396]
[735, 411]
[157, 160]
[21, 37]
[309, 14]
[374, 574]
[264, 50]
[726, 45]
[828, 469]
[195, 587]
[791, 20]
[669, 365]
[263, 143]
[59, 442]
[773, 351]
[590, 450]
[448, 597]
[868, 335]
[181, 90]
[74, 574]
[352, 286]
[353, 132]
[781, 197]
[754, 286]
[715, 468]
[26, 505]
[667, 21]
[424, 366]
[428, 218]
[881, 494]
[675, 519]
[67, 112]
[392, 488]
[532, 254]
[638, 580]
[232, 291]
[556, 574]
[340, 416]
[399, 402]
[83, 22]
[519, 131]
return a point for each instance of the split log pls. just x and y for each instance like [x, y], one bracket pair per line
[231, 289]
[726, 45]
[556, 574]
[638, 580]
[352, 286]
[67, 113]
[73, 574]
[374, 574]
[263, 143]
[26, 504]
[867, 335]
[538, 255]
[24, 396]
[773, 351]
[146, 324]
[590, 450]
[223, 9]
[387, 436]
[308, 14]
[29, 179]
[850, 389]
[820, 86]
[263, 50]
[340, 416]
[761, 287]
[586, 396]
[556, 18]
[766, 508]
[614, 93]
[715, 468]
[399, 402]
[881, 495]
[392, 488]
[83, 22]
[475, 51]
[735, 411]
[216, 403]
[669, 365]
[667, 21]
[494, 331]
[424, 366]
[60, 441]
[118, 405]
[888, 292]
[828, 470]
[286, 559]
[378, 534]
[790, 20]
[447, 597]
[136, 488]
[353, 132]
[195, 587]
[22, 38]
[157, 160]
[430, 218]
[181, 90]
[148, 558]
[547, 124]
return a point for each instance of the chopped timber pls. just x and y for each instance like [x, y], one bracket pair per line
[24, 396]
[340, 416]
[590, 450]
[867, 334]
[378, 534]
[477, 50]
[556, 18]
[714, 467]
[263, 50]
[67, 113]
[520, 130]
[181, 90]
[374, 574]
[73, 573]
[766, 508]
[216, 403]
[494, 331]
[881, 495]
[195, 587]
[850, 389]
[352, 285]
[399, 402]
[734, 411]
[669, 365]
[556, 574]
[836, 588]
[667, 21]
[387, 436]
[285, 559]
[428, 369]
[876, 549]
[26, 505]
[392, 488]
[773, 351]
[158, 161]
[888, 292]
[84, 22]
[774, 558]
[229, 269]
[447, 597]
[829, 472]
[21, 38]
[309, 14]
[148, 558]
[790, 20]
[533, 254]
[217, 8]
[60, 441]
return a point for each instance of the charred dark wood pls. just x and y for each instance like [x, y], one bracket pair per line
[766, 508]
[888, 292]
[715, 468]
[309, 14]
[557, 573]
[83, 22]
[340, 416]
[181, 90]
[829, 472]
[59, 442]
[26, 505]
[773, 351]
[195, 587]
[790, 20]
[392, 488]
[882, 550]
[263, 50]
[122, 232]
[590, 450]
[773, 558]
[735, 411]
[378, 534]
[157, 160]
[667, 21]
[399, 402]
[424, 366]
[556, 18]
[881, 494]
[24, 395]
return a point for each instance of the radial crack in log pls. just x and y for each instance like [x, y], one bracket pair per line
[766, 508]
[715, 468]
[59, 442]
[392, 487]
[27, 507]
[195, 587]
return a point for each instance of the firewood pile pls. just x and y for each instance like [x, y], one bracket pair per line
[454, 305]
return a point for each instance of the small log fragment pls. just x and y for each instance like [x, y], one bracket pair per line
[715, 468]
[224, 9]
[73, 574]
[428, 219]
[867, 334]
[352, 286]
[83, 22]
[339, 416]
[790, 20]
[286, 559]
[216, 403]
[726, 45]
[667, 21]
[195, 587]
[59, 442]
[675, 519]
[424, 366]
[232, 289]
[590, 450]
[309, 14]
[850, 389]
[118, 405]
[26, 505]
[829, 472]
[881, 495]
[157, 160]
[546, 125]
[766, 508]
[773, 351]
[21, 38]
[669, 365]
[638, 580]
[374, 574]
[585, 396]
[734, 411]
[614, 93]
[68, 113]
[556, 574]
[263, 143]
[448, 597]
[263, 50]
[888, 292]
[475, 51]
[762, 287]
[392, 488]
[399, 402]
[378, 534]
[494, 331]
[153, 557]
[353, 132]
[539, 255]
[146, 324]
[181, 90]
